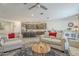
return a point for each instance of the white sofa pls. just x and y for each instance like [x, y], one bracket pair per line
[57, 43]
[9, 44]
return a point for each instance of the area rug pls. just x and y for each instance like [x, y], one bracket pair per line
[29, 52]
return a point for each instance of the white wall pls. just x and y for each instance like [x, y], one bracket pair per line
[7, 25]
[62, 24]
[10, 26]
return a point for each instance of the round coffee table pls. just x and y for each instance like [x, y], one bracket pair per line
[41, 48]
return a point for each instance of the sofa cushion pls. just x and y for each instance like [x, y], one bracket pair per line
[52, 37]
[52, 41]
[59, 35]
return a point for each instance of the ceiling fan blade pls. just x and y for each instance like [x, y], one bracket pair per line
[25, 3]
[33, 6]
[43, 7]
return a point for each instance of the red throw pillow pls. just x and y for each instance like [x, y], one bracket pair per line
[11, 35]
[53, 34]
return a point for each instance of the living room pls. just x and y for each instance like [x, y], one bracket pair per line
[39, 29]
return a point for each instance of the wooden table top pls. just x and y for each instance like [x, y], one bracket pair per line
[41, 47]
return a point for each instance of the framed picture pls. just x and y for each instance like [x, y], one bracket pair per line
[34, 25]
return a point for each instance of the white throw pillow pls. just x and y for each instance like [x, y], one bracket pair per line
[46, 34]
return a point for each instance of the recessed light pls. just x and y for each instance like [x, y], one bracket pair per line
[32, 14]
[41, 13]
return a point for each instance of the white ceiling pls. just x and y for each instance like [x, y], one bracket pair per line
[17, 11]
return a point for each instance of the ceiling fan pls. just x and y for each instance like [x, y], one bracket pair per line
[38, 4]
